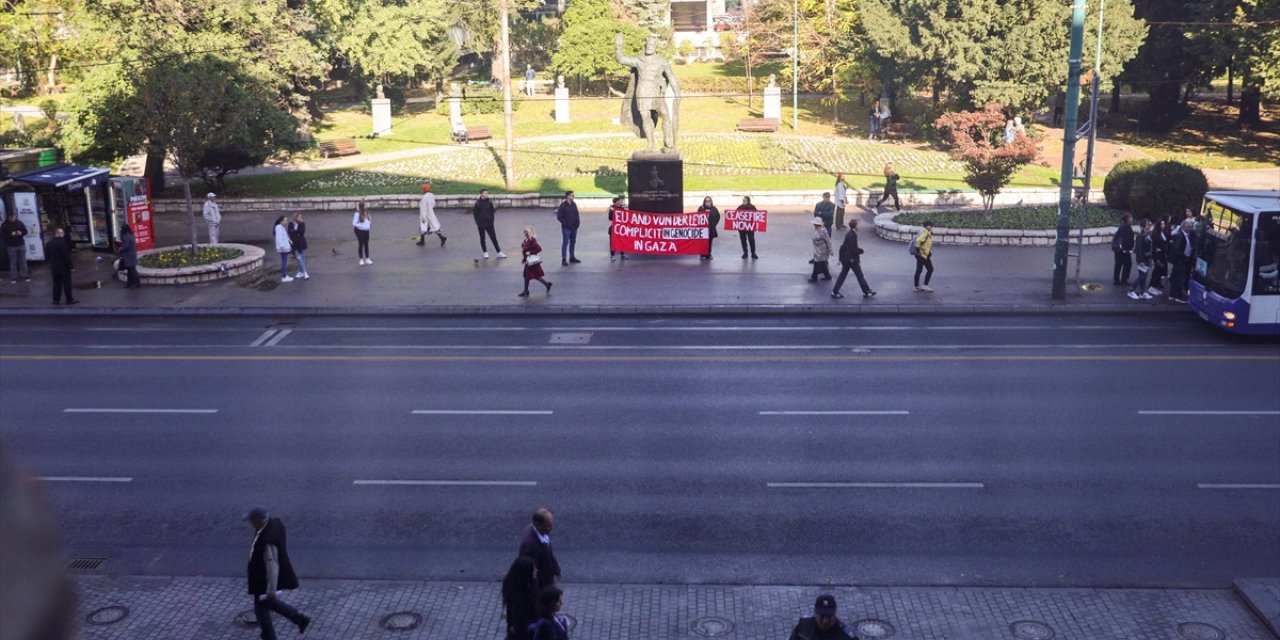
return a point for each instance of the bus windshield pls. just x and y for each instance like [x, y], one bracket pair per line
[1222, 263]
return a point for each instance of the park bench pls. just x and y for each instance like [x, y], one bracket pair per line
[472, 133]
[341, 147]
[766, 125]
[899, 131]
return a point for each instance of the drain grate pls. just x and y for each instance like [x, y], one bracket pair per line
[712, 626]
[873, 628]
[1200, 631]
[571, 338]
[401, 621]
[107, 615]
[85, 564]
[1031, 630]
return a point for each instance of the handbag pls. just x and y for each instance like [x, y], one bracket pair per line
[533, 260]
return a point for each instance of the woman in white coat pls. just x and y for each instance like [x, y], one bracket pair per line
[428, 223]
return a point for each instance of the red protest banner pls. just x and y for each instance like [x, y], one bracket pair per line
[746, 220]
[660, 233]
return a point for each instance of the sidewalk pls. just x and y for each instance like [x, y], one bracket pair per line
[454, 279]
[214, 608]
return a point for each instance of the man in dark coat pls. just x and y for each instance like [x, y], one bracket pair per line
[851, 260]
[1122, 247]
[567, 215]
[537, 545]
[270, 571]
[58, 253]
[823, 625]
[483, 213]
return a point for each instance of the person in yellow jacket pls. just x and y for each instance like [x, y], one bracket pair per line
[922, 249]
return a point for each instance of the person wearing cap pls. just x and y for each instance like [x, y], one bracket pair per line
[428, 223]
[842, 199]
[823, 624]
[821, 250]
[212, 217]
[826, 209]
[271, 571]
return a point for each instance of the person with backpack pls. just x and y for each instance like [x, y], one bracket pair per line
[1122, 247]
[922, 248]
[1143, 255]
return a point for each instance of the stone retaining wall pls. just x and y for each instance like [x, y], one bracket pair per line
[763, 199]
[249, 261]
[888, 229]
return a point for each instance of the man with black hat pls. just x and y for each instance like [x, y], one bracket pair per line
[269, 571]
[823, 624]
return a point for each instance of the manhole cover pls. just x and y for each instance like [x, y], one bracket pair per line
[107, 615]
[873, 628]
[712, 627]
[247, 619]
[1200, 631]
[571, 338]
[401, 621]
[1031, 630]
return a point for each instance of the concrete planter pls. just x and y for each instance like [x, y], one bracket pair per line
[250, 260]
[888, 229]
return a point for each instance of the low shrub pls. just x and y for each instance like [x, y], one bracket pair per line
[480, 100]
[1166, 188]
[1024, 218]
[1119, 182]
[178, 258]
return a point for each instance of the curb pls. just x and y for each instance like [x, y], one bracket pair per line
[1262, 595]
[1046, 309]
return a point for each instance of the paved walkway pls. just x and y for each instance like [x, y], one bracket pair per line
[204, 608]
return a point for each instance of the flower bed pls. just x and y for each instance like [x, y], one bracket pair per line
[216, 262]
[1025, 218]
[176, 258]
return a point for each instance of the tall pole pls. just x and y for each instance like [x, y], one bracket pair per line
[1093, 137]
[1069, 137]
[795, 65]
[509, 153]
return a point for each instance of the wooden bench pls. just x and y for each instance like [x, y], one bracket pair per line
[472, 133]
[898, 132]
[766, 125]
[342, 147]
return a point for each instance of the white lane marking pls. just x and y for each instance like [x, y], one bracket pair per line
[262, 339]
[83, 479]
[835, 413]
[723, 329]
[564, 347]
[1209, 413]
[478, 412]
[1210, 485]
[875, 485]
[278, 337]
[199, 411]
[448, 483]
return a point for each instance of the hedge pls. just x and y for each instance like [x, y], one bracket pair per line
[1166, 188]
[1119, 182]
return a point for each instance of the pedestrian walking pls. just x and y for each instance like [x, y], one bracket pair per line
[613, 207]
[922, 249]
[270, 572]
[823, 624]
[567, 215]
[826, 210]
[212, 217]
[14, 232]
[550, 625]
[842, 199]
[362, 223]
[483, 213]
[874, 126]
[821, 252]
[428, 223]
[713, 221]
[1142, 255]
[284, 246]
[536, 544]
[58, 253]
[298, 237]
[851, 260]
[129, 257]
[529, 76]
[747, 238]
[520, 597]
[530, 252]
[1122, 247]
[891, 178]
[1181, 256]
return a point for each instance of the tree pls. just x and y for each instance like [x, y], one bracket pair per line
[37, 38]
[977, 139]
[1256, 27]
[586, 46]
[397, 42]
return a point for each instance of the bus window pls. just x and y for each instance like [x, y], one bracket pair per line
[1266, 264]
[1223, 264]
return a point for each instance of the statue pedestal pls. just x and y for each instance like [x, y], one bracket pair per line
[455, 109]
[381, 108]
[773, 103]
[655, 182]
[562, 105]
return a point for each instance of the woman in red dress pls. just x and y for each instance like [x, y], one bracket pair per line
[532, 261]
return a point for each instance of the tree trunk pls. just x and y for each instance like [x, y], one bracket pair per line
[937, 91]
[154, 170]
[53, 73]
[1231, 78]
[835, 97]
[1250, 106]
[191, 212]
[1115, 97]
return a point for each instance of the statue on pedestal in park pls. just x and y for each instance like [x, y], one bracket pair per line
[645, 101]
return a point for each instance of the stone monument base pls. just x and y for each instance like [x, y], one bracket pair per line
[655, 182]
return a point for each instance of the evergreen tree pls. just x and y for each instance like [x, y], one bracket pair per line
[586, 50]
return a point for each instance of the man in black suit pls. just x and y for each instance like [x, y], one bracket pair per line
[58, 253]
[269, 571]
[537, 545]
[851, 260]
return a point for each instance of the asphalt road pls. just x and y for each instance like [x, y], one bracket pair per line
[1116, 451]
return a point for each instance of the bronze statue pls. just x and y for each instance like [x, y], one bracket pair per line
[645, 102]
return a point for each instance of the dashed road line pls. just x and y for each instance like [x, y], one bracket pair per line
[120, 410]
[836, 413]
[480, 412]
[875, 485]
[1245, 486]
[84, 479]
[446, 483]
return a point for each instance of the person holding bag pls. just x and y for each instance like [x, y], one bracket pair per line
[922, 248]
[821, 251]
[129, 257]
[531, 250]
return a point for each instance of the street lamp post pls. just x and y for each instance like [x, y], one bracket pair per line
[1069, 137]
[505, 75]
[795, 65]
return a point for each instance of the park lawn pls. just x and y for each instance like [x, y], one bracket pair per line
[1208, 139]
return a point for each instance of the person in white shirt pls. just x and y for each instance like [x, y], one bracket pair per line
[284, 246]
[212, 217]
[842, 199]
[362, 222]
[428, 223]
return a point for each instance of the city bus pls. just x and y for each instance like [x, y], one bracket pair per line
[1235, 284]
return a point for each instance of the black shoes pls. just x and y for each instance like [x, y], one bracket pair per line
[574, 261]
[549, 286]
[303, 624]
[755, 257]
[837, 294]
[564, 263]
[869, 294]
[523, 294]
[422, 241]
[443, 240]
[744, 256]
